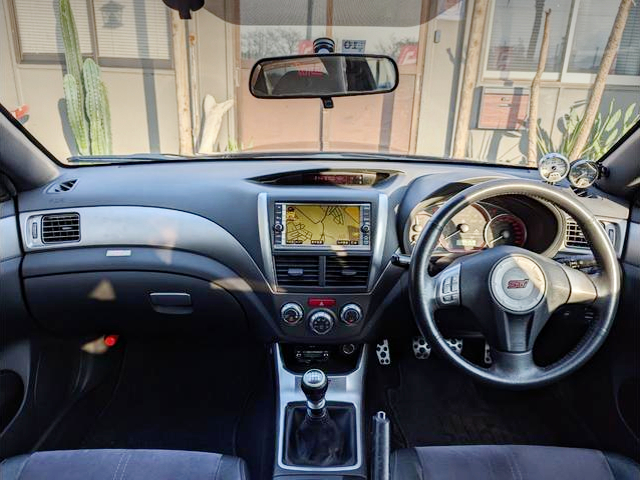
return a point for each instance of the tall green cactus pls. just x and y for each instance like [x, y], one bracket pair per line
[97, 108]
[85, 94]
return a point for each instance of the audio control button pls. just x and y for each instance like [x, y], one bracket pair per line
[351, 314]
[291, 313]
[321, 322]
[278, 227]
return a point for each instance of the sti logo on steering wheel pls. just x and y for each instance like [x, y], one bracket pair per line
[517, 283]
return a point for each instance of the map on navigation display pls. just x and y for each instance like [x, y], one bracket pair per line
[322, 225]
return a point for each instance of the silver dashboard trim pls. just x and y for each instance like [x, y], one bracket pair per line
[264, 230]
[347, 388]
[128, 226]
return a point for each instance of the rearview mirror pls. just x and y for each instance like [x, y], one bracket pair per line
[323, 76]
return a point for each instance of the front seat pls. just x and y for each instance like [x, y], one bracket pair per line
[123, 465]
[517, 462]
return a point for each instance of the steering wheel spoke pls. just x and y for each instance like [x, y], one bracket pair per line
[447, 287]
[583, 287]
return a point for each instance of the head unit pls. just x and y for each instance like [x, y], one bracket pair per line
[329, 226]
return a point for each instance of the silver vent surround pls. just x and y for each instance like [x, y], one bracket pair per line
[60, 228]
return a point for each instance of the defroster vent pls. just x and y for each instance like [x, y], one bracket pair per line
[297, 270]
[61, 228]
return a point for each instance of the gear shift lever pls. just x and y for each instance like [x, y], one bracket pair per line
[314, 386]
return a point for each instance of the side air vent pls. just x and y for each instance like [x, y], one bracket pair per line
[347, 271]
[61, 228]
[575, 238]
[297, 270]
[62, 187]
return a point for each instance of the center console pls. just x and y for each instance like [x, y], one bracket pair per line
[320, 431]
[322, 252]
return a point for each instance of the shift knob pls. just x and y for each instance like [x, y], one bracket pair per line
[314, 386]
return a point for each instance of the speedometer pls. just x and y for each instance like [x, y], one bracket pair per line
[553, 167]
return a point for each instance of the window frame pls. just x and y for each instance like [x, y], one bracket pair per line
[107, 62]
[564, 76]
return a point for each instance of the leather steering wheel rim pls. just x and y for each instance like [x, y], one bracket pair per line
[516, 369]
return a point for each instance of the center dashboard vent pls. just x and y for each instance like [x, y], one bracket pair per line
[322, 271]
[61, 228]
[297, 270]
[347, 271]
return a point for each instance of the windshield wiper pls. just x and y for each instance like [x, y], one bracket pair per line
[134, 158]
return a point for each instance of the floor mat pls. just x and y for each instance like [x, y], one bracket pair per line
[190, 396]
[431, 403]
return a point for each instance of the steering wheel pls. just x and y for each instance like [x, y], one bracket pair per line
[513, 291]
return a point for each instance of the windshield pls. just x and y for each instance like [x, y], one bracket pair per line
[499, 81]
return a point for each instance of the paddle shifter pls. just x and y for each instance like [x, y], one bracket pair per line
[314, 386]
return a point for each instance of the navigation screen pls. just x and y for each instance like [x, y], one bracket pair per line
[328, 225]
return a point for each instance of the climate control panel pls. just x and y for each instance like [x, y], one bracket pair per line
[320, 316]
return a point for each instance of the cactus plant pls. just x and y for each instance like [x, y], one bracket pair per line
[75, 113]
[97, 109]
[85, 94]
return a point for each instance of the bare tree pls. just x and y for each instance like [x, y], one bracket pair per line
[535, 92]
[474, 50]
[608, 57]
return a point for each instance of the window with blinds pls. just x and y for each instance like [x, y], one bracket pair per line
[118, 33]
[516, 35]
[593, 26]
[132, 29]
[39, 34]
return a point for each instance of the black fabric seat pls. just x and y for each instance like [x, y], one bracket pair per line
[123, 465]
[518, 462]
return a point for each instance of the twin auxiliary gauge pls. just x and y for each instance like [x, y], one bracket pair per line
[554, 167]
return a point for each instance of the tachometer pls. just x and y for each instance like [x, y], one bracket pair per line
[583, 173]
[505, 229]
[553, 167]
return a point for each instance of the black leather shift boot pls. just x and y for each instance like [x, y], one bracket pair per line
[320, 442]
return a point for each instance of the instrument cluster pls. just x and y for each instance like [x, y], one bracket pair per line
[478, 226]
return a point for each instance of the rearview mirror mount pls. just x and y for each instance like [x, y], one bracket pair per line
[324, 76]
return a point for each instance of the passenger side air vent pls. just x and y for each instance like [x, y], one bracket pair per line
[574, 237]
[61, 228]
[347, 271]
[62, 187]
[297, 270]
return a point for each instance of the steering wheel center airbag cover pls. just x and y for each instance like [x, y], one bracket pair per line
[517, 283]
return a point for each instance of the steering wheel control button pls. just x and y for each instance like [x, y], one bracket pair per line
[517, 284]
[449, 287]
[351, 314]
[321, 302]
[291, 313]
[321, 322]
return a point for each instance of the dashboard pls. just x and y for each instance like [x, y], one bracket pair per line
[293, 251]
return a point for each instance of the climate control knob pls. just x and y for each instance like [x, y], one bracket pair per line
[350, 314]
[291, 313]
[321, 322]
